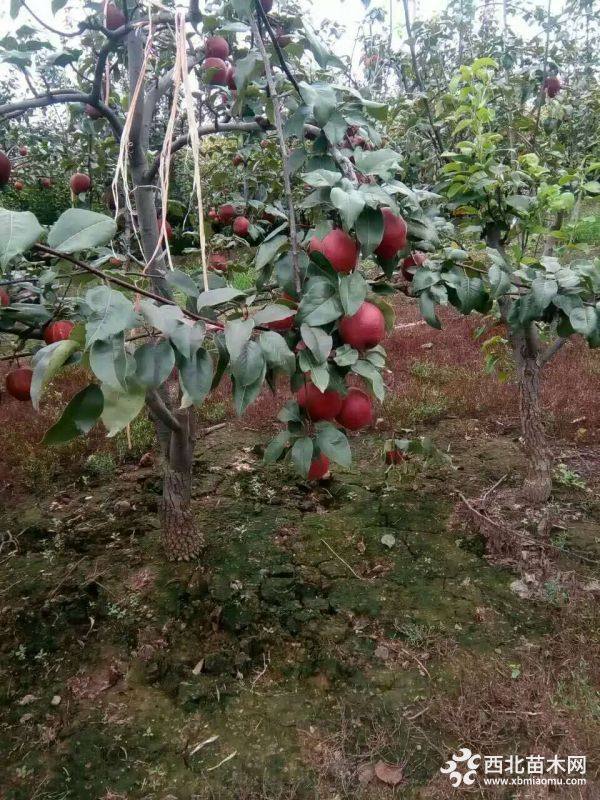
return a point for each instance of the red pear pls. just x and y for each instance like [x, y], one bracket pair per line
[5, 169]
[226, 213]
[80, 183]
[215, 71]
[411, 263]
[241, 225]
[18, 383]
[339, 248]
[394, 234]
[4, 298]
[319, 405]
[356, 411]
[216, 47]
[115, 18]
[364, 329]
[57, 331]
[319, 468]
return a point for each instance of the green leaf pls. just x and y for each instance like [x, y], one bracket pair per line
[80, 416]
[424, 278]
[276, 352]
[333, 443]
[247, 367]
[268, 250]
[79, 229]
[276, 447]
[322, 100]
[46, 363]
[302, 453]
[471, 293]
[107, 312]
[353, 291]
[57, 5]
[196, 377]
[322, 55]
[336, 128]
[367, 371]
[544, 291]
[349, 202]
[427, 309]
[318, 342]
[154, 363]
[244, 395]
[187, 338]
[500, 281]
[18, 231]
[369, 229]
[319, 304]
[272, 313]
[345, 356]
[584, 320]
[237, 333]
[120, 408]
[108, 361]
[321, 178]
[383, 163]
[176, 279]
[214, 297]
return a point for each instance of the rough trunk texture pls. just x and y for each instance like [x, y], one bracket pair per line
[181, 538]
[538, 482]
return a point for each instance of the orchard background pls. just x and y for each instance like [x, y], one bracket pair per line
[299, 420]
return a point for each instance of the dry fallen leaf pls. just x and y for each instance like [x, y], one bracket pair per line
[391, 774]
[365, 774]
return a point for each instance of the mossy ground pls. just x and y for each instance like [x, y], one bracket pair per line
[309, 647]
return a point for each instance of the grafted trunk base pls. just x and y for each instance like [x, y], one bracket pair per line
[537, 486]
[182, 541]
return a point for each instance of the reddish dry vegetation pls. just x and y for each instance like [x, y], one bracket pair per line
[432, 374]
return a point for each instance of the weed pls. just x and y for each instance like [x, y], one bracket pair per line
[568, 477]
[101, 465]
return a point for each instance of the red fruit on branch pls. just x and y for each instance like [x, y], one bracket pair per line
[241, 226]
[356, 411]
[46, 183]
[115, 18]
[217, 262]
[552, 86]
[92, 112]
[411, 263]
[394, 234]
[23, 151]
[364, 329]
[226, 213]
[394, 456]
[80, 183]
[319, 405]
[216, 47]
[339, 248]
[19, 186]
[215, 71]
[57, 331]
[237, 160]
[115, 262]
[4, 298]
[5, 169]
[168, 228]
[281, 325]
[231, 84]
[267, 5]
[319, 468]
[18, 383]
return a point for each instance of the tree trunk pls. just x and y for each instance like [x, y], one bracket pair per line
[181, 538]
[538, 481]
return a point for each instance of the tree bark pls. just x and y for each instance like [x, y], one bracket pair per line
[181, 538]
[538, 480]
[180, 535]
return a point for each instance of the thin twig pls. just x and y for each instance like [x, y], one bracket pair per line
[345, 563]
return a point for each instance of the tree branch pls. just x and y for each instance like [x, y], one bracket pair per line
[552, 350]
[123, 284]
[8, 110]
[265, 20]
[157, 406]
[287, 184]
